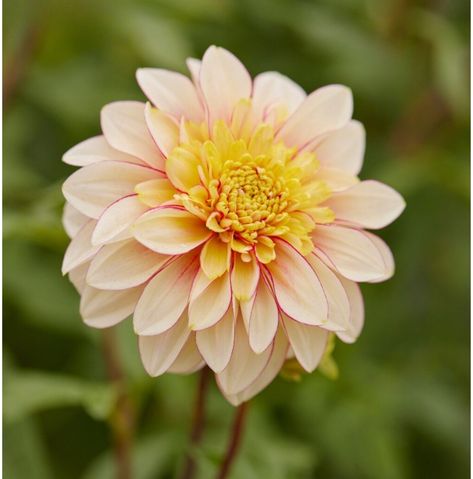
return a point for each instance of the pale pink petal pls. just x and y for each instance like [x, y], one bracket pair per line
[350, 252]
[77, 276]
[170, 230]
[194, 68]
[80, 248]
[94, 150]
[189, 359]
[337, 180]
[338, 304]
[163, 129]
[308, 342]
[272, 368]
[73, 220]
[386, 254]
[298, 290]
[209, 300]
[357, 311]
[123, 124]
[123, 265]
[369, 204]
[171, 92]
[245, 277]
[115, 222]
[273, 89]
[224, 81]
[244, 366]
[94, 187]
[326, 109]
[344, 148]
[165, 297]
[246, 307]
[102, 309]
[216, 343]
[264, 319]
[159, 352]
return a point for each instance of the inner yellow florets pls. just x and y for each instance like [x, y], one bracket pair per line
[248, 186]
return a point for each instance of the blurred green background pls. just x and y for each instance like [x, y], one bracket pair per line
[400, 407]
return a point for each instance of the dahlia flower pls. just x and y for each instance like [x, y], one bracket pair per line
[226, 215]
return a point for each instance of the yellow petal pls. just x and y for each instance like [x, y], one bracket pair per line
[182, 168]
[245, 277]
[155, 192]
[265, 254]
[215, 257]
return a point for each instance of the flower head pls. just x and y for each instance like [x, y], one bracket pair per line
[226, 215]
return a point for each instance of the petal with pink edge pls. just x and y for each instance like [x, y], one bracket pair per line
[80, 249]
[165, 297]
[308, 342]
[344, 148]
[357, 311]
[224, 80]
[170, 230]
[349, 252]
[272, 368]
[245, 277]
[369, 204]
[102, 309]
[325, 109]
[159, 352]
[264, 318]
[115, 222]
[216, 343]
[163, 129]
[297, 288]
[171, 92]
[244, 365]
[189, 359]
[73, 220]
[124, 126]
[94, 150]
[123, 265]
[386, 254]
[95, 187]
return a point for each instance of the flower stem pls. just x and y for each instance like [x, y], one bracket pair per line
[197, 423]
[235, 439]
[122, 419]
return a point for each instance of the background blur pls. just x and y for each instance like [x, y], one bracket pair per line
[400, 407]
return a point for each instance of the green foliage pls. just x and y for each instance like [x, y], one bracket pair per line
[399, 407]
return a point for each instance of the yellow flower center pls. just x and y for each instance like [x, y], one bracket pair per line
[248, 187]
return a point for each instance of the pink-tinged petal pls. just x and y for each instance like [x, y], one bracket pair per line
[163, 129]
[209, 300]
[94, 187]
[244, 365]
[298, 290]
[171, 92]
[326, 109]
[246, 307]
[77, 276]
[170, 230]
[94, 150]
[115, 222]
[264, 319]
[216, 343]
[337, 180]
[224, 81]
[386, 254]
[369, 204]
[123, 265]
[338, 303]
[357, 312]
[272, 368]
[124, 126]
[102, 309]
[349, 252]
[189, 359]
[73, 220]
[194, 68]
[80, 249]
[245, 277]
[273, 89]
[159, 352]
[344, 148]
[165, 297]
[308, 342]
